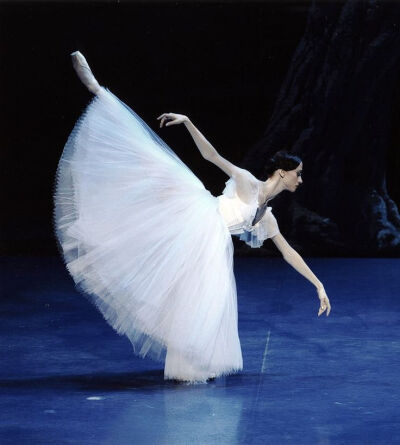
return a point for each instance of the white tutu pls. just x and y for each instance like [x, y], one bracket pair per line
[149, 244]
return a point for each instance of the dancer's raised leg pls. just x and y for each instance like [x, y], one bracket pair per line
[84, 72]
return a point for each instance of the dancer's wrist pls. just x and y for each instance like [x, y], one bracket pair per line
[319, 286]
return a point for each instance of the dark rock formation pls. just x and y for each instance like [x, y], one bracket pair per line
[334, 110]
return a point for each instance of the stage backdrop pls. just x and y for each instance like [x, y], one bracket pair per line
[321, 79]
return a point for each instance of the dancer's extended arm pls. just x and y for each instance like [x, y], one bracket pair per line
[244, 179]
[206, 149]
[296, 261]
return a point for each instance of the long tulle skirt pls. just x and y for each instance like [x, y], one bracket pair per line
[146, 242]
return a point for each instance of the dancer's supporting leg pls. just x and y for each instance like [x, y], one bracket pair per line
[84, 72]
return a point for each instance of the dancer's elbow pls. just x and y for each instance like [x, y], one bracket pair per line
[289, 254]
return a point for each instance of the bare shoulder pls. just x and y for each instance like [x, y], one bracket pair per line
[246, 186]
[241, 174]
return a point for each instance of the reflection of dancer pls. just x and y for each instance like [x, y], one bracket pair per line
[141, 235]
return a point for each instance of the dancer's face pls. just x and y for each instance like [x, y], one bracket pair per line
[292, 178]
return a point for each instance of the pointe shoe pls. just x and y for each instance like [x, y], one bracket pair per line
[84, 72]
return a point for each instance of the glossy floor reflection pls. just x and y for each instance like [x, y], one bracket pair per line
[68, 378]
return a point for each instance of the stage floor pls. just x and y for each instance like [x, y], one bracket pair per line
[68, 378]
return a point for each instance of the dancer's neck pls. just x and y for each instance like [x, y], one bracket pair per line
[272, 187]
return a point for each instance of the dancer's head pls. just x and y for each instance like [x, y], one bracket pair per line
[288, 167]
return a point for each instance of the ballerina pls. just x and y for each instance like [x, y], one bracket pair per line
[148, 243]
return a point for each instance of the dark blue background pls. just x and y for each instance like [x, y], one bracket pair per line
[221, 63]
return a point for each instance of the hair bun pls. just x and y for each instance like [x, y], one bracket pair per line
[281, 159]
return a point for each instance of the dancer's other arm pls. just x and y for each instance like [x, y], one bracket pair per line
[244, 179]
[296, 261]
[206, 149]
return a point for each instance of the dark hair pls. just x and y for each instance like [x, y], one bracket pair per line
[281, 159]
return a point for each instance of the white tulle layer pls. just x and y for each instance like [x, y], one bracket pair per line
[145, 240]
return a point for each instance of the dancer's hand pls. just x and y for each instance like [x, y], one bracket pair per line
[173, 119]
[324, 302]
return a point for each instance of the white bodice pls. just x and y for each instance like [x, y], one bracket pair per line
[239, 216]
